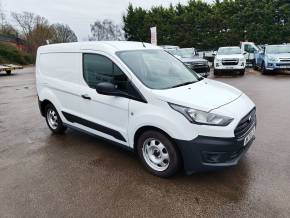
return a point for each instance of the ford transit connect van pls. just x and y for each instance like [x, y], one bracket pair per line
[140, 97]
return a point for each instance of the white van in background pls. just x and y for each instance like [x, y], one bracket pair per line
[144, 99]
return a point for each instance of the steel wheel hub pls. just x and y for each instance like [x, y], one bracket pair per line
[155, 154]
[52, 118]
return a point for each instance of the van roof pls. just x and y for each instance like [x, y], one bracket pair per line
[106, 46]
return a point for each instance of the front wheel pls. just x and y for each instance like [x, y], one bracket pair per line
[242, 72]
[8, 72]
[263, 68]
[216, 72]
[158, 154]
[53, 120]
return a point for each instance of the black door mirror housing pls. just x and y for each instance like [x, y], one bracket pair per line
[107, 88]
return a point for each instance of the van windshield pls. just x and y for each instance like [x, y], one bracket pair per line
[157, 69]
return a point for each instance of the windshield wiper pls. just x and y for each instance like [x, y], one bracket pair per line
[183, 84]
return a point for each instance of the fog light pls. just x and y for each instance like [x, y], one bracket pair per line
[214, 157]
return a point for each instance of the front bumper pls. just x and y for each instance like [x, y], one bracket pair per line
[202, 70]
[211, 153]
[229, 68]
[278, 66]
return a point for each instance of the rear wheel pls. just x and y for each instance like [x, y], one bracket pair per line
[158, 154]
[53, 120]
[8, 72]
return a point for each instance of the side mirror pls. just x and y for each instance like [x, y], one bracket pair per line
[106, 88]
[244, 53]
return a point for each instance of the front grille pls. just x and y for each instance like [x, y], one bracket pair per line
[285, 59]
[246, 123]
[200, 70]
[227, 62]
[283, 64]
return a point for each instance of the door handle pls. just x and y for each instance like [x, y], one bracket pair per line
[86, 96]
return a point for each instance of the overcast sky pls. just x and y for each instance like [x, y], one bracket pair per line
[79, 14]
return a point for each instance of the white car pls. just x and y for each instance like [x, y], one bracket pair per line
[140, 97]
[229, 59]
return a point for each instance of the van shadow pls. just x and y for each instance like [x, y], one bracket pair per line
[97, 155]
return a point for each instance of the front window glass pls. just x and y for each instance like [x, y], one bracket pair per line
[229, 50]
[98, 68]
[157, 69]
[277, 49]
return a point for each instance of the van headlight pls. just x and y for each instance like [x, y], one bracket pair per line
[202, 117]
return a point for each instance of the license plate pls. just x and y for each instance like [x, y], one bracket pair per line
[249, 136]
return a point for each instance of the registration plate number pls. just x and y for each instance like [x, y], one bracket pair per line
[249, 136]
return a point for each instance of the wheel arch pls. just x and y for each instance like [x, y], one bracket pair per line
[143, 129]
[42, 105]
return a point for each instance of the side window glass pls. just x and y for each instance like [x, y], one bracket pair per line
[98, 68]
[120, 79]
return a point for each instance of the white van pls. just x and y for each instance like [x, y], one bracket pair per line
[142, 98]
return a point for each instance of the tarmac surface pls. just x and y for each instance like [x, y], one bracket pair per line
[77, 175]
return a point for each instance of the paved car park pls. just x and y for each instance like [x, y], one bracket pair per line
[45, 175]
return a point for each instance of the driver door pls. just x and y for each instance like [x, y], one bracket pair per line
[107, 115]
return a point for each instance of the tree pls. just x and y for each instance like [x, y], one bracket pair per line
[63, 33]
[34, 29]
[106, 30]
[5, 27]
[206, 26]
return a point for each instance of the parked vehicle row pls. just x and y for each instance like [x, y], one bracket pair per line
[231, 59]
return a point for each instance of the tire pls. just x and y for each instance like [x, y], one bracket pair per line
[263, 68]
[53, 120]
[216, 72]
[242, 72]
[255, 67]
[158, 154]
[8, 72]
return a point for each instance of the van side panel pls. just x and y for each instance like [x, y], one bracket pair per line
[59, 80]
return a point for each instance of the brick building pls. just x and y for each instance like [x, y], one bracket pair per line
[14, 41]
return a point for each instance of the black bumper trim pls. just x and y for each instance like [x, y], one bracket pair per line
[193, 152]
[95, 126]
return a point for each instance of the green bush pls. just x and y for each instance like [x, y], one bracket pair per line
[11, 55]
